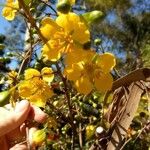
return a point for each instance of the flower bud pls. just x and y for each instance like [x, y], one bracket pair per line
[64, 6]
[97, 41]
[2, 46]
[4, 97]
[93, 16]
[39, 137]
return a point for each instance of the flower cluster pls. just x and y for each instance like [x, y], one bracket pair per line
[65, 36]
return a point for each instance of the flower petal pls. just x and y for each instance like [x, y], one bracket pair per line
[49, 52]
[85, 36]
[83, 85]
[106, 61]
[74, 72]
[26, 89]
[72, 24]
[75, 56]
[104, 82]
[47, 74]
[68, 21]
[37, 100]
[31, 73]
[49, 27]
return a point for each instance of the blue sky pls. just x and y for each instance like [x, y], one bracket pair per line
[3, 23]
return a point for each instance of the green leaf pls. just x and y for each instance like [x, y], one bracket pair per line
[4, 97]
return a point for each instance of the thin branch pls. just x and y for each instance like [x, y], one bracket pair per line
[141, 131]
[80, 135]
[125, 143]
[58, 112]
[68, 102]
[31, 19]
[50, 6]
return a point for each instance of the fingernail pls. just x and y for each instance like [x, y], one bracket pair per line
[21, 106]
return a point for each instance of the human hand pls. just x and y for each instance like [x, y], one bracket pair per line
[13, 126]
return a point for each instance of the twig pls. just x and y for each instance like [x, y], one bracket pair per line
[125, 143]
[49, 5]
[80, 136]
[141, 131]
[31, 19]
[58, 112]
[80, 129]
[28, 54]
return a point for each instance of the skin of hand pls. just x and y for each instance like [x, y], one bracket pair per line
[13, 127]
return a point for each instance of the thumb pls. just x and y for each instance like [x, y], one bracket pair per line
[10, 120]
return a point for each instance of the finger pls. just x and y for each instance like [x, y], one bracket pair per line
[37, 114]
[16, 136]
[3, 143]
[13, 119]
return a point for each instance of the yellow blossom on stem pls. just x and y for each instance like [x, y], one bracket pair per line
[92, 72]
[90, 130]
[35, 87]
[39, 137]
[10, 9]
[64, 36]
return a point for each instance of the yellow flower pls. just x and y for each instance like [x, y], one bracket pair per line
[39, 137]
[90, 130]
[64, 35]
[92, 72]
[34, 87]
[10, 9]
